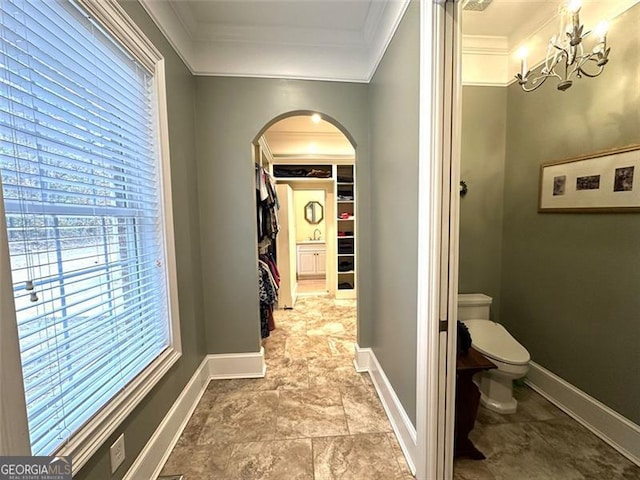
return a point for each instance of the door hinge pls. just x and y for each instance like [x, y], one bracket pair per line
[444, 325]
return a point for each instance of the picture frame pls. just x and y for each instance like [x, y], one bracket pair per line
[606, 181]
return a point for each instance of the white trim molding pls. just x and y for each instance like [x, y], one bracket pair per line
[361, 360]
[155, 453]
[485, 60]
[237, 365]
[616, 430]
[157, 450]
[366, 361]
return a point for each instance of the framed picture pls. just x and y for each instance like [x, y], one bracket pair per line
[601, 182]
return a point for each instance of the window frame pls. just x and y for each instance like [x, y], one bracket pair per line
[83, 444]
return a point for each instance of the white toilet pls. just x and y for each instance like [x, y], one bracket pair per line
[494, 342]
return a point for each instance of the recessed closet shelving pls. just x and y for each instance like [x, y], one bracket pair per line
[346, 241]
[302, 172]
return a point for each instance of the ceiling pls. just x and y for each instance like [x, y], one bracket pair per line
[344, 40]
[299, 137]
[306, 39]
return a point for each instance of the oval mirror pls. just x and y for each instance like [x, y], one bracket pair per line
[313, 212]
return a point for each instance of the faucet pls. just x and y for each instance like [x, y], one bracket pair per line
[319, 234]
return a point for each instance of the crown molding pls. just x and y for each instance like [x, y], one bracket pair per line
[279, 134]
[176, 33]
[485, 44]
[270, 52]
[390, 18]
[485, 60]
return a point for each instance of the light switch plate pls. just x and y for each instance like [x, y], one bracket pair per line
[117, 453]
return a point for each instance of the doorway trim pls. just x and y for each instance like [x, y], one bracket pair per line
[437, 239]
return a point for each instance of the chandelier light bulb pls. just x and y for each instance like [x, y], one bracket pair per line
[315, 118]
[522, 52]
[601, 30]
[574, 6]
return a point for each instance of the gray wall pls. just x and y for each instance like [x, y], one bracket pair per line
[140, 425]
[393, 98]
[484, 127]
[570, 282]
[230, 113]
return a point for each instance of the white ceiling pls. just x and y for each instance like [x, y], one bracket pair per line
[344, 40]
[307, 39]
[299, 136]
[506, 18]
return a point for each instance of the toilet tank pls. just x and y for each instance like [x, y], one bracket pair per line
[474, 306]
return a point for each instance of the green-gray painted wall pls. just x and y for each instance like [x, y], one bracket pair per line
[570, 282]
[484, 127]
[141, 424]
[393, 98]
[230, 113]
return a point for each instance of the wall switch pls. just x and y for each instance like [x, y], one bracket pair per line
[117, 453]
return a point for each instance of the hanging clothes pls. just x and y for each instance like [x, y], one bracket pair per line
[268, 290]
[267, 206]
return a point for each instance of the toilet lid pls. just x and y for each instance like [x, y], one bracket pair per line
[491, 339]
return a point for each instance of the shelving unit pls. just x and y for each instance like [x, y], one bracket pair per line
[346, 234]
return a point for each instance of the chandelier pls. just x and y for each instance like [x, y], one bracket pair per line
[566, 55]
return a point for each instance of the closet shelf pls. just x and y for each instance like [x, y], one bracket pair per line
[346, 205]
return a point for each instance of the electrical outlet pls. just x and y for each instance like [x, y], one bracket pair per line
[117, 453]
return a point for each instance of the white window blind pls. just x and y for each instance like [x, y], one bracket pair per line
[82, 196]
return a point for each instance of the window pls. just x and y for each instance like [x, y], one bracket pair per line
[89, 237]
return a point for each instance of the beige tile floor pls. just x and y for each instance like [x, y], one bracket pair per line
[312, 285]
[312, 417]
[540, 442]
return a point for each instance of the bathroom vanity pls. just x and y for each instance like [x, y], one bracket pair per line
[312, 259]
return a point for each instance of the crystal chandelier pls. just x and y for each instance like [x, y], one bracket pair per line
[566, 55]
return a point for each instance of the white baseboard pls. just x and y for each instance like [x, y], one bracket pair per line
[214, 367]
[361, 360]
[237, 365]
[618, 431]
[155, 453]
[366, 360]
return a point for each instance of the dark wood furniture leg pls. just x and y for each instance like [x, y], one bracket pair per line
[467, 401]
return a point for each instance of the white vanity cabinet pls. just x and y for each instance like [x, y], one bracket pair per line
[312, 259]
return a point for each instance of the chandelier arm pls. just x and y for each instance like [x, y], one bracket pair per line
[535, 83]
[566, 57]
[592, 75]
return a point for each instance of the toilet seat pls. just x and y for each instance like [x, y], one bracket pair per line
[493, 340]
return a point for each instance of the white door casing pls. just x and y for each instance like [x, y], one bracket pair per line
[437, 243]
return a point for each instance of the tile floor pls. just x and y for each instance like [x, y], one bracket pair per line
[312, 285]
[540, 442]
[314, 418]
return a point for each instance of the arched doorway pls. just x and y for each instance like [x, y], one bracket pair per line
[308, 160]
